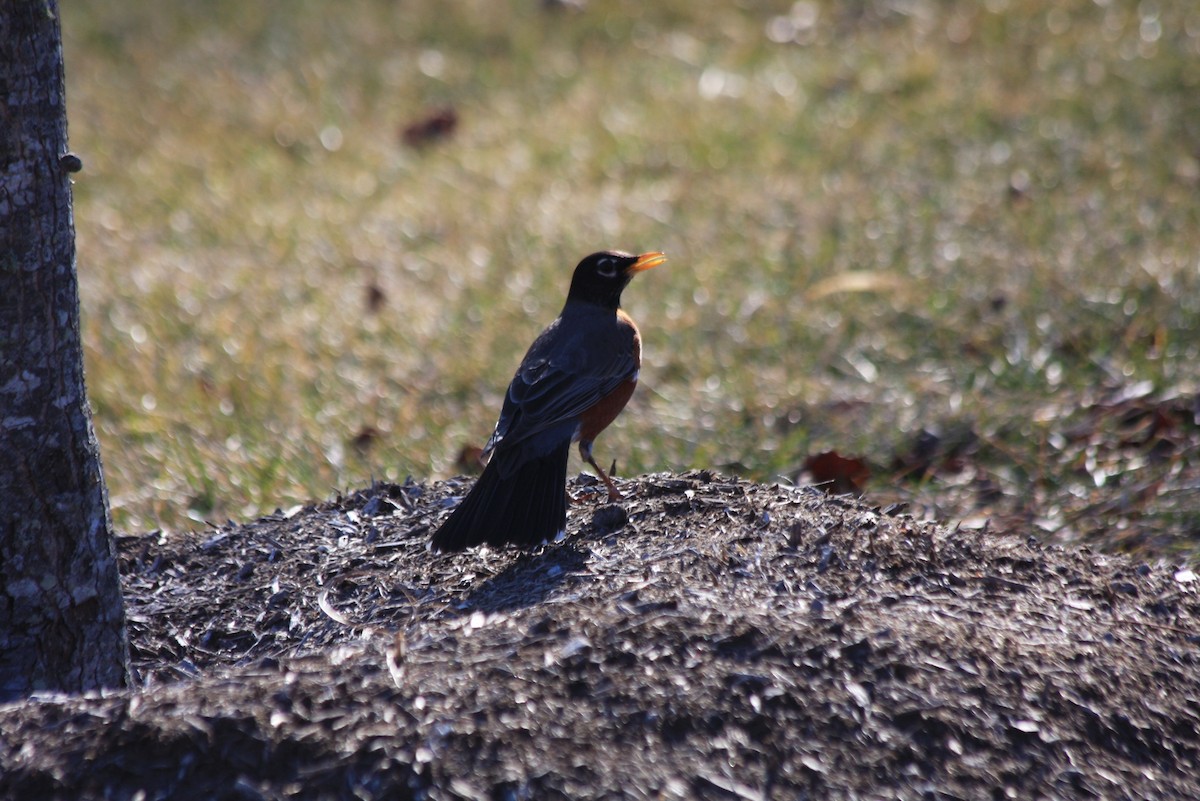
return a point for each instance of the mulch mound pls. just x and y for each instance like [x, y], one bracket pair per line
[708, 638]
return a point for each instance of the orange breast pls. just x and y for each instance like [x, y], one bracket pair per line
[597, 418]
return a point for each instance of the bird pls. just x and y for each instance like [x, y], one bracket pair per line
[572, 383]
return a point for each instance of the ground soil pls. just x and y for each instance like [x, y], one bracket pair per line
[705, 638]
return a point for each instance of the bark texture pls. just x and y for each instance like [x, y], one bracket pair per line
[62, 624]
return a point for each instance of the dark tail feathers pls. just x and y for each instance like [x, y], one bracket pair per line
[525, 508]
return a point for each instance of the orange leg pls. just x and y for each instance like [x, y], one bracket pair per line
[585, 450]
[614, 494]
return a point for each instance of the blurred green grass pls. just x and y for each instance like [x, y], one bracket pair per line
[1016, 181]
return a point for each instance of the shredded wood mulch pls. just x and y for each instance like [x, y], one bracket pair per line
[707, 638]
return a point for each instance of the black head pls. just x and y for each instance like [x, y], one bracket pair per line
[601, 277]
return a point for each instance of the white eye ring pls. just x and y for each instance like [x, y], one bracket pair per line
[606, 267]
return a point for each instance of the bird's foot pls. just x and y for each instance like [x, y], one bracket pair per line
[614, 494]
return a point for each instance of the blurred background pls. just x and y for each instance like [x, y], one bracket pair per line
[945, 254]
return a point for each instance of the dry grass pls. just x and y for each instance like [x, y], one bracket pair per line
[1015, 181]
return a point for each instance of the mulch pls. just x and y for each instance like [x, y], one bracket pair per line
[706, 638]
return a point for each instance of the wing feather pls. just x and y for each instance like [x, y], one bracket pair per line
[561, 376]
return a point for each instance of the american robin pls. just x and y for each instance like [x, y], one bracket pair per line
[575, 379]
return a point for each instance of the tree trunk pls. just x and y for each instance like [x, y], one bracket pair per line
[62, 623]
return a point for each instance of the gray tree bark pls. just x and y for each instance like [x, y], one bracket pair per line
[62, 622]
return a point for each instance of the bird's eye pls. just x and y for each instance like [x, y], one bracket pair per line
[606, 268]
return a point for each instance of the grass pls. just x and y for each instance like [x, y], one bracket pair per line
[972, 226]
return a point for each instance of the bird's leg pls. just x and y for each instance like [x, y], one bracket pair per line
[614, 494]
[585, 450]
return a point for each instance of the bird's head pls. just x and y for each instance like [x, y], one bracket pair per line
[601, 277]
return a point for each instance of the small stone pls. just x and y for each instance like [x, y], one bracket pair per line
[610, 518]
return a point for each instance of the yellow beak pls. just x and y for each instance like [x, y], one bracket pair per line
[647, 260]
